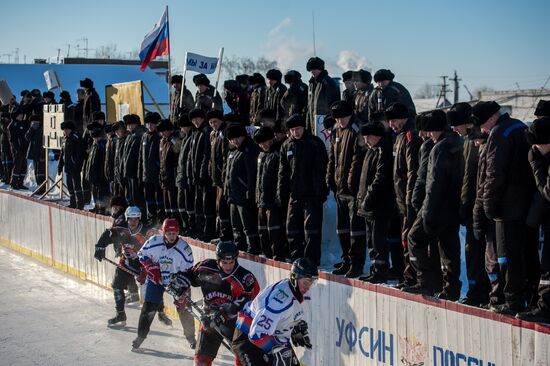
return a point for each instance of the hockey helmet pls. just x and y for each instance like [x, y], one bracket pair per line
[132, 212]
[226, 250]
[303, 268]
[170, 226]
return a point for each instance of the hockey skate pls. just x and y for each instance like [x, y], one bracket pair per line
[136, 343]
[118, 321]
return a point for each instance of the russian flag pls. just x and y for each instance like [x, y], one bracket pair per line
[156, 42]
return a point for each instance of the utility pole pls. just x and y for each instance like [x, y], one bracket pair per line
[313, 19]
[443, 91]
[468, 90]
[16, 58]
[68, 50]
[58, 54]
[455, 80]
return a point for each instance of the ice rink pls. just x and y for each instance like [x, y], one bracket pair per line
[49, 318]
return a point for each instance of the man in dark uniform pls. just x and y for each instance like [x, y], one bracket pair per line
[323, 91]
[91, 102]
[388, 92]
[5, 148]
[109, 164]
[275, 92]
[258, 97]
[186, 191]
[364, 89]
[71, 158]
[120, 184]
[169, 150]
[205, 194]
[226, 287]
[132, 146]
[207, 97]
[302, 167]
[216, 166]
[294, 100]
[346, 154]
[438, 218]
[94, 172]
[508, 191]
[405, 167]
[458, 118]
[36, 152]
[148, 169]
[19, 145]
[349, 87]
[240, 188]
[186, 104]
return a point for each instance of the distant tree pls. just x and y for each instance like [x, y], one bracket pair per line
[107, 51]
[234, 65]
[427, 91]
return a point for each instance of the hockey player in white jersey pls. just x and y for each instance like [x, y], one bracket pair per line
[269, 325]
[162, 256]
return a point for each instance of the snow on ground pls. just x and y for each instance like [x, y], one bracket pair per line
[49, 318]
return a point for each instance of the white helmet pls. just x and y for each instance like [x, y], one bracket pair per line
[132, 212]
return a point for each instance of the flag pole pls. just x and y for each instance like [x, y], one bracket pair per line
[169, 63]
[183, 81]
[220, 57]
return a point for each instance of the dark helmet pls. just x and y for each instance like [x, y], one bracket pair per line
[303, 268]
[226, 250]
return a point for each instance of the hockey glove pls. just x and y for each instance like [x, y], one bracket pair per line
[99, 253]
[300, 335]
[179, 284]
[153, 271]
[283, 356]
[225, 312]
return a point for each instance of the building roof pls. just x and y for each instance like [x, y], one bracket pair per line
[31, 76]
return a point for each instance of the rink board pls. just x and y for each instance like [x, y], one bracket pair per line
[352, 323]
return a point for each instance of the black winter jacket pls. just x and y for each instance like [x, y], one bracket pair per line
[149, 157]
[419, 191]
[240, 174]
[323, 91]
[199, 156]
[268, 174]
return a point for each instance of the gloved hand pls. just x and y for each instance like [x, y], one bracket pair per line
[99, 253]
[141, 278]
[180, 303]
[179, 284]
[284, 356]
[225, 312]
[300, 335]
[153, 271]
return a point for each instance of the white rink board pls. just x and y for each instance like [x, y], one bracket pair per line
[352, 323]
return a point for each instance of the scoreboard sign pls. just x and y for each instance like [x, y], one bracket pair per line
[54, 114]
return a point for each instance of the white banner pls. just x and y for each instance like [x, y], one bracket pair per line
[52, 81]
[201, 64]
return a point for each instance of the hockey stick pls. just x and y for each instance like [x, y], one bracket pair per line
[127, 270]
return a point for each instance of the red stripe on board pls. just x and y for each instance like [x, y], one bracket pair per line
[447, 305]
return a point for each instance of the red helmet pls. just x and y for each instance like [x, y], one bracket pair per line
[170, 225]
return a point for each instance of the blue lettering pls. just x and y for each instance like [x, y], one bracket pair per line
[340, 331]
[441, 357]
[449, 358]
[459, 357]
[473, 361]
[213, 66]
[388, 348]
[363, 351]
[192, 62]
[375, 346]
[351, 335]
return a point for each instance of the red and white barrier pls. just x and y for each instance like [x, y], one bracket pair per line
[352, 323]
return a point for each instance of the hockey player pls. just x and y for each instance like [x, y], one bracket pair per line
[267, 325]
[162, 256]
[226, 288]
[129, 233]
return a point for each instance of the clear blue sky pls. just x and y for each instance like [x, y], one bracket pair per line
[490, 43]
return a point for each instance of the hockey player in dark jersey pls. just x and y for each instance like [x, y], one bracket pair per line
[226, 287]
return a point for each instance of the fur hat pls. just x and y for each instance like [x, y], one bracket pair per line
[434, 121]
[396, 111]
[201, 79]
[119, 126]
[130, 119]
[347, 76]
[256, 78]
[48, 94]
[296, 120]
[118, 201]
[196, 113]
[98, 132]
[235, 130]
[482, 111]
[214, 113]
[383, 74]
[292, 76]
[373, 129]
[165, 125]
[263, 134]
[86, 83]
[242, 79]
[176, 79]
[363, 76]
[539, 131]
[418, 120]
[98, 115]
[108, 128]
[274, 74]
[543, 108]
[184, 121]
[232, 85]
[329, 122]
[341, 109]
[68, 125]
[315, 63]
[459, 114]
[152, 117]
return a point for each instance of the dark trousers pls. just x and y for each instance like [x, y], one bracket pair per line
[544, 282]
[170, 196]
[272, 233]
[40, 171]
[377, 230]
[496, 293]
[118, 189]
[245, 228]
[532, 265]
[510, 240]
[449, 252]
[154, 201]
[134, 194]
[74, 186]
[478, 281]
[205, 211]
[223, 217]
[19, 168]
[303, 228]
[100, 192]
[186, 207]
[395, 245]
[409, 272]
[351, 231]
[7, 164]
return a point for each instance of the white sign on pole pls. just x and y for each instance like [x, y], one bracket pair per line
[201, 64]
[5, 92]
[52, 81]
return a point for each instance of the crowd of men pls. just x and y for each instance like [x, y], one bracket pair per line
[404, 182]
